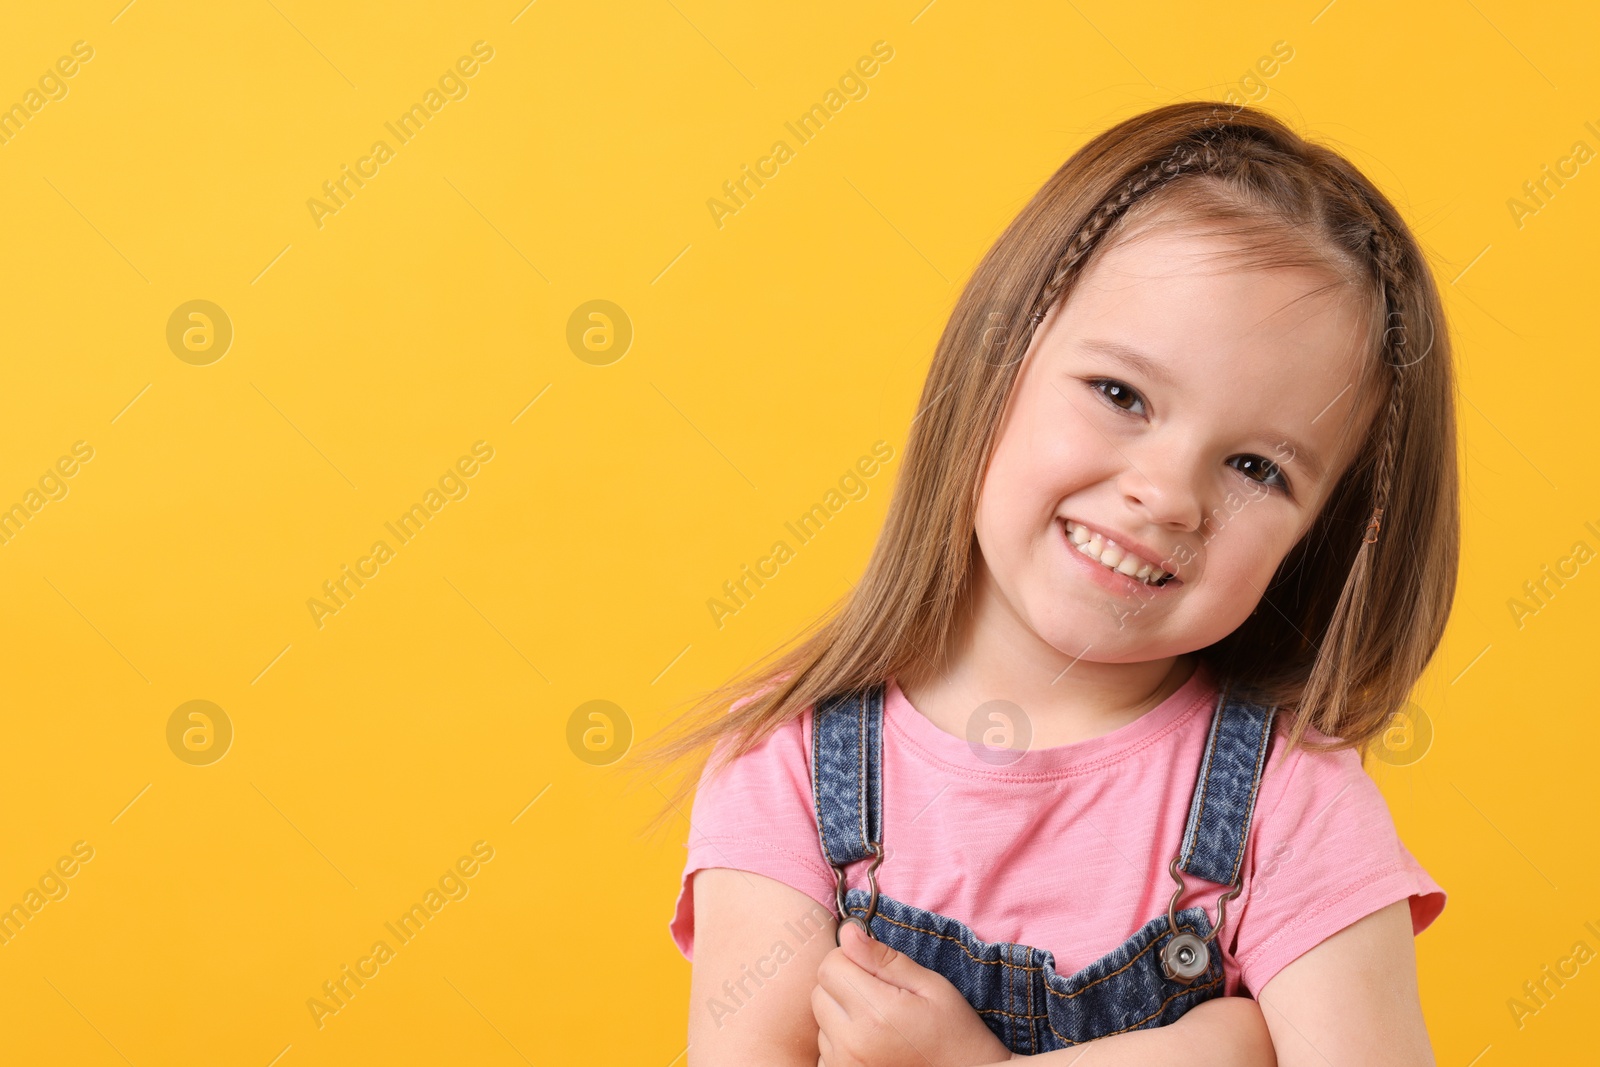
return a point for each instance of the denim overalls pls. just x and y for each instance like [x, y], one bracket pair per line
[1168, 966]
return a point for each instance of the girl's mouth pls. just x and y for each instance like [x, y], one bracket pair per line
[1125, 570]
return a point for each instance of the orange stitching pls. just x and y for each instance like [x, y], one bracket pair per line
[873, 807]
[1005, 963]
[1031, 1028]
[1147, 1018]
[1255, 784]
[945, 937]
[1205, 771]
[1047, 989]
[1019, 978]
[1113, 974]
[816, 781]
[861, 761]
[1005, 990]
[1007, 1014]
[1011, 977]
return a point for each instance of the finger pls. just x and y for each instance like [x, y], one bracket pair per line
[860, 1008]
[856, 944]
[828, 1012]
[853, 988]
[825, 1007]
[884, 963]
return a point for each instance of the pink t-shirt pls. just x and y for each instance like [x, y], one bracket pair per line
[1067, 848]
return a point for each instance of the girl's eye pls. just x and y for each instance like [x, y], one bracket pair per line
[1116, 392]
[1268, 471]
[1258, 469]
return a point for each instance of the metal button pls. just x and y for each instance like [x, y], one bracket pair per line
[1185, 958]
[855, 920]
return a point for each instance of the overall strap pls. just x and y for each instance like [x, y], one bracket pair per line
[1225, 790]
[847, 773]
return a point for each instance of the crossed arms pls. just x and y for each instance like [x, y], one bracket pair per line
[1350, 1000]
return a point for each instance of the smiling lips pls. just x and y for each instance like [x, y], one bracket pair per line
[1113, 556]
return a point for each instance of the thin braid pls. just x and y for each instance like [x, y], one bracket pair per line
[1187, 157]
[1394, 355]
[1385, 467]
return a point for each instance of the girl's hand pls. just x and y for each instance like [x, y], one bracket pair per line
[876, 1007]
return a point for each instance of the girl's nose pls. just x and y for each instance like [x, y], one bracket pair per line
[1167, 487]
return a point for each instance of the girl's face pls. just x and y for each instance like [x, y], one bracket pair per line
[1196, 414]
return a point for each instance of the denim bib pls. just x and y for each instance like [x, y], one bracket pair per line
[1169, 965]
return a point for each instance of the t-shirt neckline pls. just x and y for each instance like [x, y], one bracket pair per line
[950, 751]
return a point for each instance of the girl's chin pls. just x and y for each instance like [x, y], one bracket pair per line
[1074, 631]
[1117, 630]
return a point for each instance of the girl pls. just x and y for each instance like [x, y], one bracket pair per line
[1079, 761]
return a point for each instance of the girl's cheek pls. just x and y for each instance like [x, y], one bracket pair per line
[1257, 555]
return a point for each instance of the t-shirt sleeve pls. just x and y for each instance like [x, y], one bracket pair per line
[1325, 854]
[755, 814]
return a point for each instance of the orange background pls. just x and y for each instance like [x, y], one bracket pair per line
[346, 361]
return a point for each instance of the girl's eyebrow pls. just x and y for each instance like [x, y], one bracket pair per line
[1300, 454]
[1129, 356]
[1132, 357]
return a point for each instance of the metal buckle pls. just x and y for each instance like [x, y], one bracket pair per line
[872, 905]
[1186, 957]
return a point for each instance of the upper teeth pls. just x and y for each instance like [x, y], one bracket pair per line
[1113, 555]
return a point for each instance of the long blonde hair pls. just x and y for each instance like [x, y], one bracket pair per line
[1357, 607]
